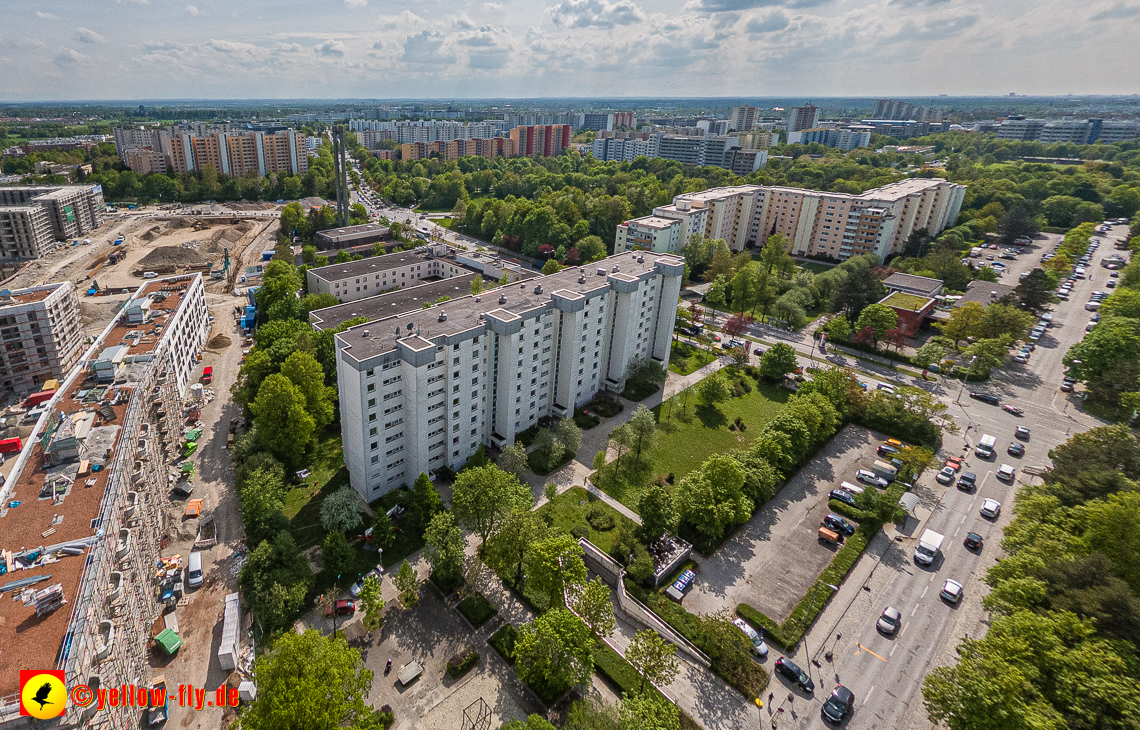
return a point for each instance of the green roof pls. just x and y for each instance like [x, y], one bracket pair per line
[909, 302]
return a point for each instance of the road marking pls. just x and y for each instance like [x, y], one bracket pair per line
[892, 651]
[924, 590]
[913, 610]
[868, 695]
[963, 518]
[863, 648]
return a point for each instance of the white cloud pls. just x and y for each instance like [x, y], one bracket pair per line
[330, 48]
[721, 6]
[133, 2]
[426, 47]
[1118, 11]
[85, 35]
[493, 7]
[595, 14]
[192, 10]
[68, 58]
[46, 16]
[355, 4]
[767, 24]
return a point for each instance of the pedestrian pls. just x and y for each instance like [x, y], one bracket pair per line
[771, 696]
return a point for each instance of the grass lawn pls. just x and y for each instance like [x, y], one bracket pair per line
[685, 358]
[690, 433]
[815, 267]
[569, 510]
[477, 609]
[303, 502]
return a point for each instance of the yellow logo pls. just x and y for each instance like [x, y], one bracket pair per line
[42, 694]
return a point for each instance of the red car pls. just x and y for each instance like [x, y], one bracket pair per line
[344, 607]
[208, 374]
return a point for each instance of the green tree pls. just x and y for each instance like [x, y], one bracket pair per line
[1002, 319]
[566, 431]
[513, 459]
[293, 221]
[965, 322]
[591, 249]
[716, 296]
[383, 535]
[1122, 303]
[929, 354]
[1035, 291]
[1020, 220]
[649, 711]
[275, 581]
[262, 506]
[547, 443]
[551, 266]
[778, 361]
[554, 566]
[533, 722]
[711, 498]
[774, 256]
[277, 295]
[1108, 358]
[506, 549]
[444, 548]
[424, 504]
[554, 652]
[658, 513]
[372, 602]
[643, 424]
[309, 681]
[593, 604]
[837, 328]
[482, 499]
[313, 302]
[283, 423]
[654, 658]
[713, 390]
[859, 286]
[337, 556]
[477, 286]
[340, 511]
[407, 584]
[989, 353]
[876, 319]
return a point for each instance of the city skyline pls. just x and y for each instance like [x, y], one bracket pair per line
[626, 48]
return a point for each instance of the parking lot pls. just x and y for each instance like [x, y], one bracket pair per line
[754, 565]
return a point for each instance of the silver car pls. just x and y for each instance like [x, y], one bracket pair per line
[890, 621]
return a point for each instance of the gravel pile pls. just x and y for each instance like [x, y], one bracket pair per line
[171, 256]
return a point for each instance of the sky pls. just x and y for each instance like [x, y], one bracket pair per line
[375, 49]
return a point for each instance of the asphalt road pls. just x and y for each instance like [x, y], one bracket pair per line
[886, 673]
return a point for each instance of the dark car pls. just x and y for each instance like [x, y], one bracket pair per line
[973, 541]
[1022, 433]
[837, 523]
[838, 705]
[993, 400]
[967, 481]
[1015, 449]
[788, 668]
[885, 450]
[843, 496]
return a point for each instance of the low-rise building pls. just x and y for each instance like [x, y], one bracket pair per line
[375, 274]
[922, 286]
[351, 236]
[41, 335]
[912, 310]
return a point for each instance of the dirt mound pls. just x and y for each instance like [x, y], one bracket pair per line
[180, 222]
[219, 342]
[151, 233]
[257, 205]
[232, 234]
[312, 202]
[171, 256]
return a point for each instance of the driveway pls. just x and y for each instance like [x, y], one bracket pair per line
[773, 560]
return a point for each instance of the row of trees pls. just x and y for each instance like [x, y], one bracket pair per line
[1061, 649]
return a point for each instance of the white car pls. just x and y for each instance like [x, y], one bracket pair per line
[1005, 472]
[871, 478]
[990, 508]
[951, 591]
[759, 648]
[946, 476]
[359, 585]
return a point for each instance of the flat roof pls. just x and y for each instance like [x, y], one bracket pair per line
[386, 305]
[374, 265]
[908, 302]
[464, 314]
[653, 221]
[910, 281]
[28, 640]
[351, 232]
[30, 295]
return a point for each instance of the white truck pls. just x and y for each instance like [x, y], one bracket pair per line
[975, 252]
[985, 447]
[928, 546]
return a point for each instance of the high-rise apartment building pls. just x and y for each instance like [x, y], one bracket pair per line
[231, 149]
[891, 109]
[837, 225]
[541, 141]
[1076, 131]
[423, 388]
[802, 117]
[743, 118]
[85, 505]
[492, 147]
[844, 138]
[34, 218]
[626, 150]
[650, 233]
[40, 335]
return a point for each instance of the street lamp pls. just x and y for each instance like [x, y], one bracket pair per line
[969, 367]
[811, 605]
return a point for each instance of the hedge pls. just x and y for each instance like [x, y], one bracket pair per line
[461, 664]
[503, 641]
[788, 634]
[614, 667]
[477, 609]
[848, 511]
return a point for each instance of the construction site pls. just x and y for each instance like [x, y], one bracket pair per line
[86, 508]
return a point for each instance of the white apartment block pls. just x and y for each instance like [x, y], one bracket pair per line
[423, 388]
[376, 274]
[371, 132]
[650, 233]
[25, 232]
[40, 335]
[69, 211]
[818, 223]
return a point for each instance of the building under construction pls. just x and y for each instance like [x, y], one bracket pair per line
[81, 516]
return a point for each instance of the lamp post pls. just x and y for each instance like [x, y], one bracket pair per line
[811, 605]
[970, 367]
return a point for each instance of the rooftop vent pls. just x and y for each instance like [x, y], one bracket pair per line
[641, 259]
[443, 316]
[365, 333]
[601, 271]
[538, 289]
[478, 299]
[582, 279]
[993, 295]
[615, 269]
[502, 299]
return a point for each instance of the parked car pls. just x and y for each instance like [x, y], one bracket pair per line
[1067, 387]
[889, 621]
[843, 496]
[1015, 449]
[1006, 473]
[993, 400]
[358, 586]
[838, 705]
[759, 648]
[973, 541]
[951, 591]
[788, 668]
[954, 463]
[886, 450]
[837, 523]
[967, 481]
[945, 476]
[1022, 433]
[343, 607]
[871, 478]
[990, 508]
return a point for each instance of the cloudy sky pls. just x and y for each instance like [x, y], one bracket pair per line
[163, 49]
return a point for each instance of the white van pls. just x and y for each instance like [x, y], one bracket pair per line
[194, 573]
[1092, 306]
[985, 447]
[1080, 272]
[853, 488]
[150, 275]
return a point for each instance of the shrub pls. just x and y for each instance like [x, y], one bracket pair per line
[503, 641]
[461, 664]
[605, 406]
[580, 530]
[477, 609]
[585, 421]
[600, 518]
